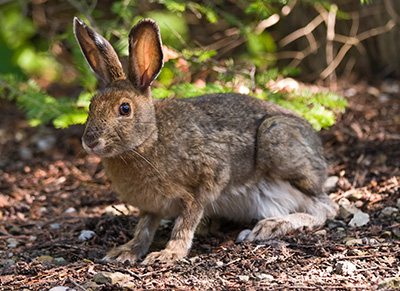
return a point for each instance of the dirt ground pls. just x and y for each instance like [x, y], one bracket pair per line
[52, 194]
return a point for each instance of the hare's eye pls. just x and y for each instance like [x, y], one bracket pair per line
[125, 109]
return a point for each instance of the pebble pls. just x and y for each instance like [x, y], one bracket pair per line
[70, 210]
[321, 232]
[243, 235]
[15, 230]
[59, 261]
[263, 276]
[244, 278]
[389, 211]
[355, 196]
[12, 243]
[109, 277]
[331, 182]
[219, 263]
[86, 235]
[45, 259]
[398, 203]
[389, 283]
[55, 226]
[345, 268]
[346, 209]
[359, 219]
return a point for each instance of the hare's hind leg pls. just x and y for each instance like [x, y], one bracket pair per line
[290, 151]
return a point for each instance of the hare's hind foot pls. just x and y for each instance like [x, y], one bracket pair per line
[278, 227]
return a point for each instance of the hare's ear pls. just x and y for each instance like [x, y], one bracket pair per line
[145, 53]
[98, 52]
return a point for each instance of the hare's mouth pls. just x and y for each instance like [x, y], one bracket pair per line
[97, 147]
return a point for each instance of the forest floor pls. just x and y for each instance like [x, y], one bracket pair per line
[52, 194]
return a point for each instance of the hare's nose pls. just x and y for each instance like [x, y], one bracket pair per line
[92, 145]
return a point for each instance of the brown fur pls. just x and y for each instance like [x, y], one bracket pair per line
[188, 158]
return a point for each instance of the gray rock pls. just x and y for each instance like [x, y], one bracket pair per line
[86, 235]
[59, 261]
[389, 211]
[359, 219]
[331, 182]
[12, 243]
[55, 226]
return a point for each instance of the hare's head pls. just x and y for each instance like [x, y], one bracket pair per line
[121, 116]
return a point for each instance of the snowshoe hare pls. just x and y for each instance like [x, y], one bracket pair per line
[218, 155]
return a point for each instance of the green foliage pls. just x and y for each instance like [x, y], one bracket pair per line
[40, 107]
[29, 58]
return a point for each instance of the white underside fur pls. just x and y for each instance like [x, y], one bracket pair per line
[268, 200]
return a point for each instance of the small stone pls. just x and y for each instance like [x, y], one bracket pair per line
[109, 277]
[355, 196]
[86, 235]
[70, 210]
[219, 264]
[59, 261]
[55, 226]
[263, 276]
[45, 259]
[15, 230]
[321, 232]
[345, 268]
[359, 219]
[331, 182]
[389, 283]
[389, 211]
[346, 209]
[243, 278]
[398, 203]
[42, 209]
[243, 235]
[12, 243]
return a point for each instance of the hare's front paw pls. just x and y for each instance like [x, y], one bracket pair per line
[164, 256]
[121, 254]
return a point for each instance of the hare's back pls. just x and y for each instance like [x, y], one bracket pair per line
[233, 107]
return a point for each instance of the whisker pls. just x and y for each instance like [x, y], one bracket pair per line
[147, 161]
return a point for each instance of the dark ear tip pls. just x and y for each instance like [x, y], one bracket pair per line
[79, 22]
[146, 22]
